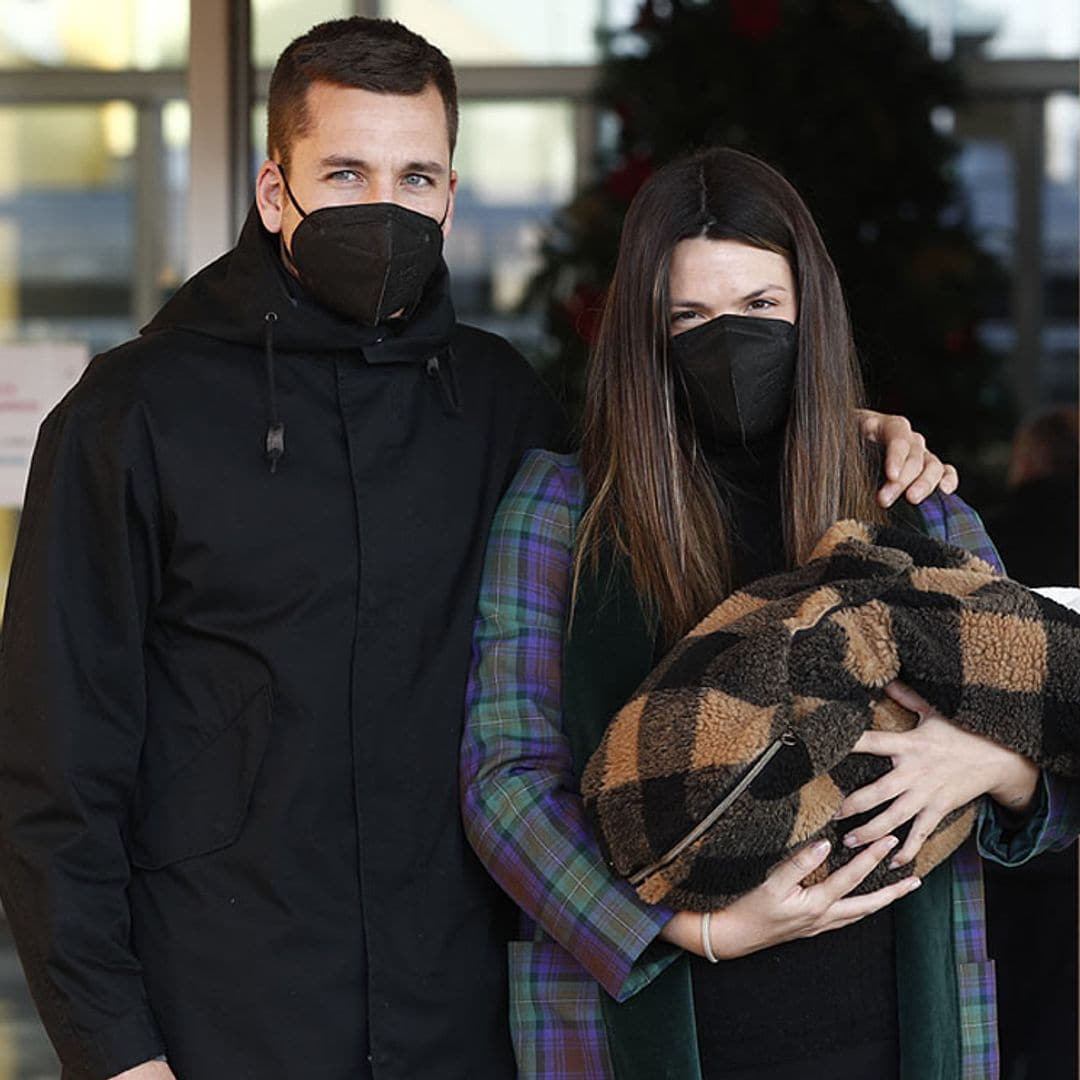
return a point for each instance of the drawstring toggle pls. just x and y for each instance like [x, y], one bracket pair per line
[275, 431]
[441, 369]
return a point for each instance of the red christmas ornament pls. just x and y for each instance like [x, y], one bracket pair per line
[757, 20]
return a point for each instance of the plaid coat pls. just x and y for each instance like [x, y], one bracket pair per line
[584, 932]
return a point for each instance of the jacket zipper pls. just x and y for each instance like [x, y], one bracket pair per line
[706, 823]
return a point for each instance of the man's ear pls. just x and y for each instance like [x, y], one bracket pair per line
[448, 221]
[270, 196]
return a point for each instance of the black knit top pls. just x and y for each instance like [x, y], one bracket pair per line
[817, 1007]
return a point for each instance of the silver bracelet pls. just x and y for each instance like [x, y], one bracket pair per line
[706, 939]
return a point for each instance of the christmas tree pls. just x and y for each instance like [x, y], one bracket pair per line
[841, 97]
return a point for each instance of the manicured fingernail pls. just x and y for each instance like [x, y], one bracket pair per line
[851, 840]
[914, 883]
[891, 842]
[821, 847]
[895, 864]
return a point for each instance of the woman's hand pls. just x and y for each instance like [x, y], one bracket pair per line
[782, 908]
[937, 768]
[909, 465]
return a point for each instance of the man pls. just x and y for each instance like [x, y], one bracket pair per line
[238, 629]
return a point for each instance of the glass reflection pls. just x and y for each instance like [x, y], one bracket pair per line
[486, 32]
[274, 23]
[1000, 29]
[66, 222]
[505, 198]
[107, 34]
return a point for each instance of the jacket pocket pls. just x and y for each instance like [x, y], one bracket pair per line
[977, 986]
[556, 1022]
[203, 805]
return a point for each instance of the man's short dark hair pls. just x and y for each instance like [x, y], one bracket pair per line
[379, 55]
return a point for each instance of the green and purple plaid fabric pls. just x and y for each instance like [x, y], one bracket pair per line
[521, 805]
[582, 928]
[1053, 825]
[979, 1057]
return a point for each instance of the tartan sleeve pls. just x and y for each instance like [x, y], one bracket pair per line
[522, 810]
[949, 518]
[1054, 819]
[1052, 825]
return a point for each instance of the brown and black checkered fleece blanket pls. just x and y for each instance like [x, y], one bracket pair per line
[736, 749]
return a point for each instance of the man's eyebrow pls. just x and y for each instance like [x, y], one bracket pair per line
[343, 161]
[435, 167]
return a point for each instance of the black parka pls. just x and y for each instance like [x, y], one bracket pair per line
[231, 691]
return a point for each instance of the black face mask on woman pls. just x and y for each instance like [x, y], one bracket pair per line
[365, 261]
[739, 373]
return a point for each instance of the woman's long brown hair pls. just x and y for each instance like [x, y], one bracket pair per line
[651, 496]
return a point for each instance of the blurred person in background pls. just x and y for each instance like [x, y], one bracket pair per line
[1032, 911]
[1036, 529]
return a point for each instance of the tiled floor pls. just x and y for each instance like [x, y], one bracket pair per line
[25, 1052]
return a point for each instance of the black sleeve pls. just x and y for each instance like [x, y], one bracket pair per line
[72, 717]
[544, 424]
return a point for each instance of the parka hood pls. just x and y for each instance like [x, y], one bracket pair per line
[248, 298]
[231, 298]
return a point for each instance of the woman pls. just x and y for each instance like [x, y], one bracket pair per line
[720, 442]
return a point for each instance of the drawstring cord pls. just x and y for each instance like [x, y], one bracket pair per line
[275, 432]
[444, 374]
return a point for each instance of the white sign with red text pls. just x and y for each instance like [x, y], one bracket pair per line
[33, 377]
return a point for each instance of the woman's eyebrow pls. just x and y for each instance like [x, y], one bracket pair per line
[697, 305]
[757, 293]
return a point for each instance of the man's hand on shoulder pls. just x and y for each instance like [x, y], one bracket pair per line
[148, 1070]
[911, 469]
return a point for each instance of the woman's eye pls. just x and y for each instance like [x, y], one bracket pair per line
[683, 316]
[761, 304]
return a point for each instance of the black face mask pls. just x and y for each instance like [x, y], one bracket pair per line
[367, 261]
[739, 373]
